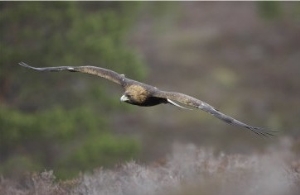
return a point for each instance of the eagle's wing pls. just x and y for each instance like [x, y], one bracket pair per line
[101, 72]
[193, 102]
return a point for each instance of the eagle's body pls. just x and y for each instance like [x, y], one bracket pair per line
[141, 94]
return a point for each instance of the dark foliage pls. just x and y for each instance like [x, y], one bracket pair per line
[59, 121]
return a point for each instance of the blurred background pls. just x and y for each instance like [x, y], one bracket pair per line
[241, 57]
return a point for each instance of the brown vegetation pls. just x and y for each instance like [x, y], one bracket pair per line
[188, 171]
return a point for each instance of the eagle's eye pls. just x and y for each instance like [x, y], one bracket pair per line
[128, 95]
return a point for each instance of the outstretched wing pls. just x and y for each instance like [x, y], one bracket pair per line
[193, 102]
[101, 72]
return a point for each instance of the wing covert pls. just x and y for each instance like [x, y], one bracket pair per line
[191, 101]
[101, 72]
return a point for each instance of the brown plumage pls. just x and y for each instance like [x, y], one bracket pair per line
[141, 94]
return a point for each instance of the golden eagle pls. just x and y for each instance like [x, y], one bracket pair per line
[141, 94]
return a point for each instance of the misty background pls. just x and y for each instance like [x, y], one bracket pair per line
[241, 57]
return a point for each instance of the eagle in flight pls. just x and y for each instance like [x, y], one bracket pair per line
[141, 94]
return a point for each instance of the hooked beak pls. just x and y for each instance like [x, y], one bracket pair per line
[124, 98]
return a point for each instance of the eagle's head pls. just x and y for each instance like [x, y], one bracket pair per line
[137, 95]
[133, 97]
[140, 96]
[134, 94]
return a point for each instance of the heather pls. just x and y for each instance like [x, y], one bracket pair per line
[187, 170]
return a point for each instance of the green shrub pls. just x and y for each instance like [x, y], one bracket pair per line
[66, 141]
[55, 120]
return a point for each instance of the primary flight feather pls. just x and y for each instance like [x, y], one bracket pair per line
[141, 94]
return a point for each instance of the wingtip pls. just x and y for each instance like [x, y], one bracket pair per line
[21, 63]
[24, 65]
[263, 132]
[27, 66]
